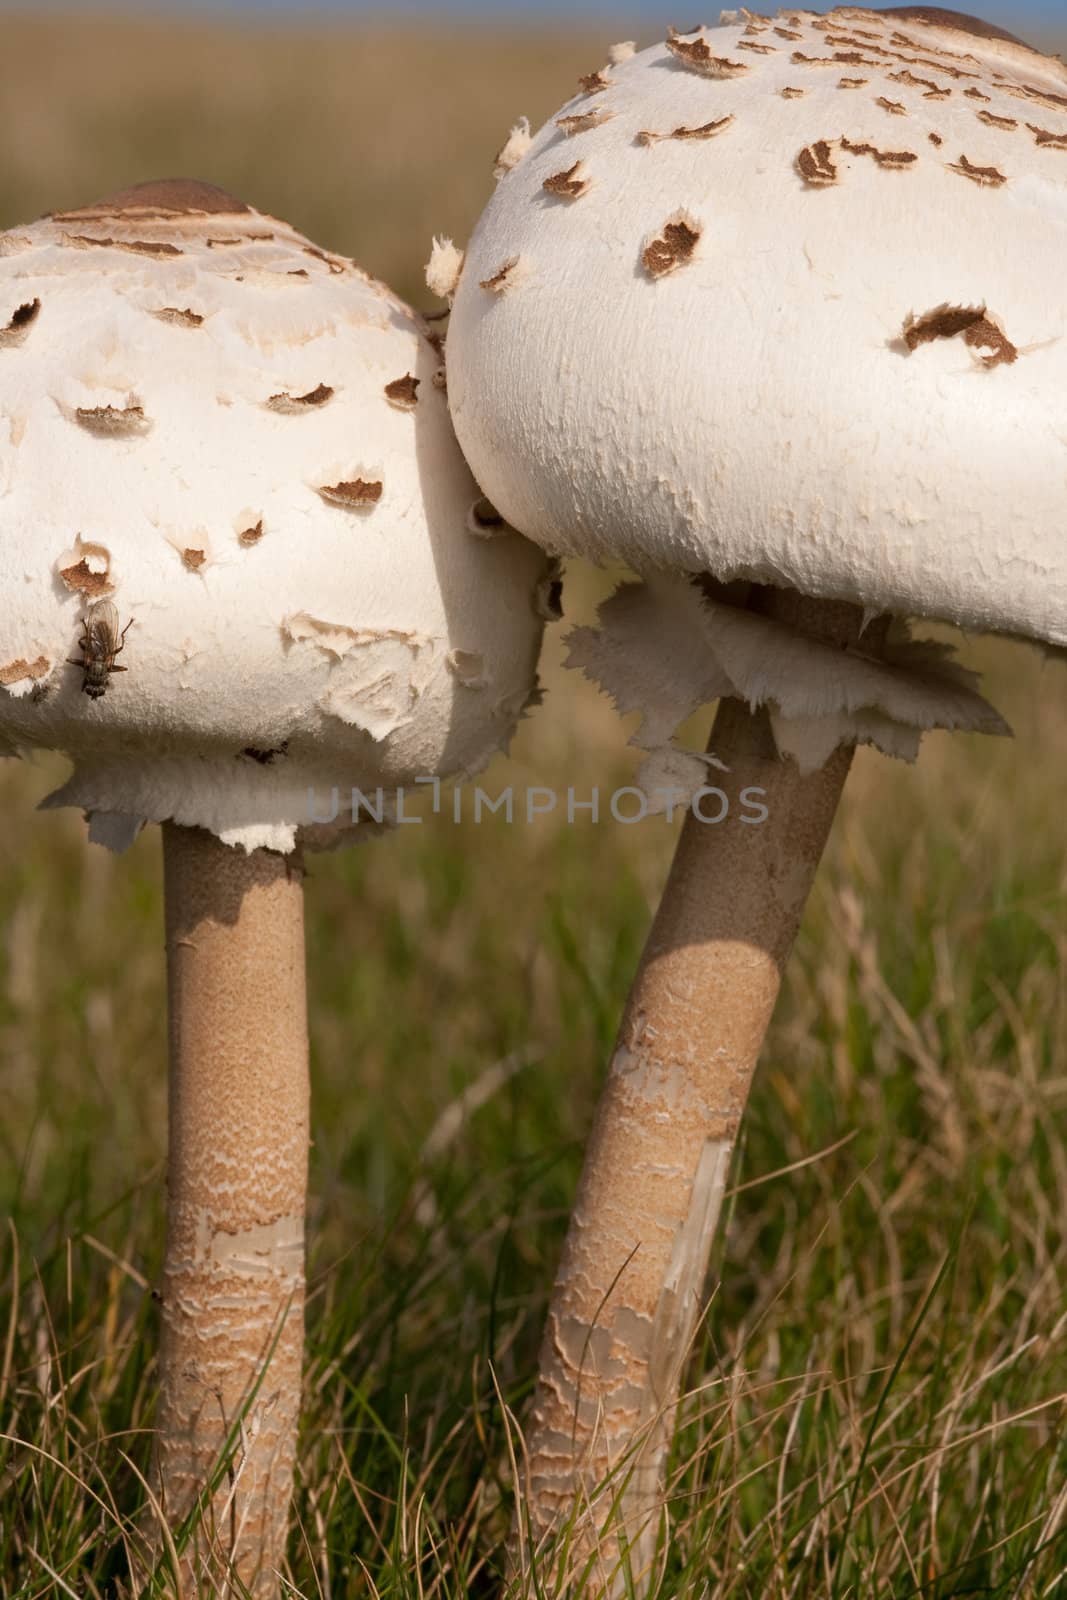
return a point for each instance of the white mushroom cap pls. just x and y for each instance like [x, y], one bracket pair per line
[784, 301]
[233, 438]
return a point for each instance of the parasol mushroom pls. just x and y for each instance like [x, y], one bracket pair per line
[240, 574]
[771, 312]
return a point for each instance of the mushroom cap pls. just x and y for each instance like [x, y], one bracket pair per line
[782, 300]
[233, 440]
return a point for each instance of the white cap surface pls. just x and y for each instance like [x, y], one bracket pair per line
[232, 438]
[783, 299]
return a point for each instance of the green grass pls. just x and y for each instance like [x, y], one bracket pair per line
[878, 1396]
[879, 1392]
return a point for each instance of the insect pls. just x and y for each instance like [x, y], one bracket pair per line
[100, 643]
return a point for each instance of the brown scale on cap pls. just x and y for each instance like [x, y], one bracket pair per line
[233, 241]
[788, 33]
[569, 185]
[840, 58]
[403, 392]
[973, 323]
[760, 49]
[697, 55]
[83, 580]
[815, 165]
[793, 94]
[853, 83]
[19, 323]
[502, 277]
[180, 318]
[975, 94]
[336, 264]
[985, 177]
[583, 121]
[193, 560]
[857, 50]
[934, 91]
[935, 138]
[136, 247]
[1047, 139]
[112, 422]
[357, 494]
[673, 248]
[937, 66]
[709, 130]
[162, 198]
[19, 670]
[993, 121]
[1037, 97]
[293, 405]
[594, 83]
[90, 574]
[250, 536]
[852, 41]
[894, 107]
[894, 160]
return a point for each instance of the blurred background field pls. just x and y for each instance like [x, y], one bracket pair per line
[883, 1370]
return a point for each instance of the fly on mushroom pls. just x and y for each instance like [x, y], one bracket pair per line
[99, 644]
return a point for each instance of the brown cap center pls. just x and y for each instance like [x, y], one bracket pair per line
[162, 197]
[951, 19]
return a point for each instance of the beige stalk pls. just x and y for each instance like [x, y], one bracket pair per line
[233, 1281]
[630, 1285]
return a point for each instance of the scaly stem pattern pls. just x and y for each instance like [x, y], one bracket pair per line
[631, 1280]
[233, 1280]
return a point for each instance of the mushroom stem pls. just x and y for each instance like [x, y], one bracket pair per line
[630, 1285]
[233, 1281]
